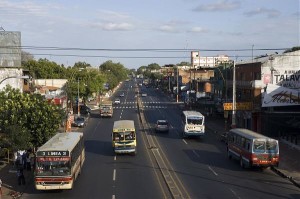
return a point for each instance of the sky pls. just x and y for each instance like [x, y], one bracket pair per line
[137, 33]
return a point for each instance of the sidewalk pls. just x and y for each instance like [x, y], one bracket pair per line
[289, 165]
[10, 187]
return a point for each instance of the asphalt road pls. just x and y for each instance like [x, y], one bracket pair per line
[198, 168]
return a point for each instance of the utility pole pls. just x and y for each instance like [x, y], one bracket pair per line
[233, 124]
[177, 85]
[78, 106]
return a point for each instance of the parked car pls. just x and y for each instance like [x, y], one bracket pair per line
[162, 126]
[144, 94]
[117, 101]
[84, 110]
[122, 95]
[80, 122]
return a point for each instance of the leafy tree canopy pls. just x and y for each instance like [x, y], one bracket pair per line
[27, 120]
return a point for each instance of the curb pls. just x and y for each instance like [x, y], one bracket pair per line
[282, 174]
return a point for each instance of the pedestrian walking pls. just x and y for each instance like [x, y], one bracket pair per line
[28, 162]
[21, 177]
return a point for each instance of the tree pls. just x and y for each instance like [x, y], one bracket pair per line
[115, 72]
[295, 48]
[27, 120]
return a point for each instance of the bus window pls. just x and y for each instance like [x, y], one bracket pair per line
[129, 136]
[194, 121]
[117, 136]
[259, 146]
[271, 146]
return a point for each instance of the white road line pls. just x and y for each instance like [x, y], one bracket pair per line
[212, 171]
[115, 158]
[113, 197]
[196, 153]
[114, 175]
[184, 141]
[234, 193]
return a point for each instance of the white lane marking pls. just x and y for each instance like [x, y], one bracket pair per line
[115, 158]
[113, 197]
[114, 175]
[212, 171]
[184, 141]
[196, 153]
[234, 193]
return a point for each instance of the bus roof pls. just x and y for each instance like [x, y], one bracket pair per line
[124, 124]
[62, 142]
[192, 113]
[248, 133]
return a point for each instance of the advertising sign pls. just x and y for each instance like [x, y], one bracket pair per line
[280, 96]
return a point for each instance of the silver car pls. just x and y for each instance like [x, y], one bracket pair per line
[162, 126]
[80, 122]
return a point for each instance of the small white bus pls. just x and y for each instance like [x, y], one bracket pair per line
[193, 124]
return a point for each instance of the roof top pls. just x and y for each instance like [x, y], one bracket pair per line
[248, 133]
[62, 142]
[192, 113]
[124, 124]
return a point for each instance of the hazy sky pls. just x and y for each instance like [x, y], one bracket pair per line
[95, 31]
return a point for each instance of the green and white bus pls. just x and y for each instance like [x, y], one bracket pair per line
[124, 137]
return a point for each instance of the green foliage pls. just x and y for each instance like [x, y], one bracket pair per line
[27, 120]
[114, 72]
[295, 48]
[44, 69]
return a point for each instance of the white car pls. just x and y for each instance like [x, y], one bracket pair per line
[144, 94]
[117, 101]
[122, 95]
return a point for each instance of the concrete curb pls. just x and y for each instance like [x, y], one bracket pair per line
[282, 174]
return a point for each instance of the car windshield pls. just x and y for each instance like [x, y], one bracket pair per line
[162, 123]
[80, 119]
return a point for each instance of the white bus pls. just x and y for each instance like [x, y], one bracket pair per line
[252, 149]
[193, 124]
[59, 161]
[124, 137]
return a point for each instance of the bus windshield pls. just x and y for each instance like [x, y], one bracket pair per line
[123, 136]
[271, 146]
[195, 120]
[259, 146]
[53, 168]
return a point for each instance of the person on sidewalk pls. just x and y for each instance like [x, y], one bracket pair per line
[21, 177]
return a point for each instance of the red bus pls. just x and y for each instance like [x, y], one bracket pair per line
[252, 149]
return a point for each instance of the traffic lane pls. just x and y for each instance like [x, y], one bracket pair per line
[135, 176]
[213, 156]
[95, 178]
[211, 152]
[198, 179]
[243, 182]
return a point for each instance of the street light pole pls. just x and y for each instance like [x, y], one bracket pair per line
[78, 106]
[17, 77]
[177, 85]
[233, 124]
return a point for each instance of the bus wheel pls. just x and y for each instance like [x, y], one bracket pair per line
[242, 163]
[228, 154]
